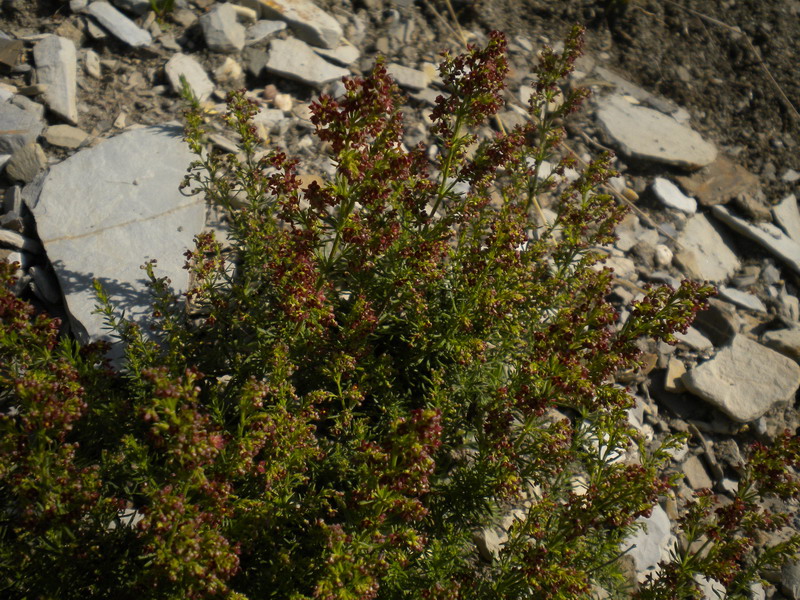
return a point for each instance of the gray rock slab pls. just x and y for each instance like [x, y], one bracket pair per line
[57, 66]
[222, 30]
[196, 76]
[344, 54]
[19, 241]
[646, 134]
[26, 162]
[108, 209]
[309, 22]
[745, 379]
[65, 136]
[118, 24]
[672, 197]
[406, 77]
[17, 127]
[696, 474]
[766, 234]
[742, 299]
[695, 340]
[261, 30]
[787, 217]
[705, 251]
[296, 60]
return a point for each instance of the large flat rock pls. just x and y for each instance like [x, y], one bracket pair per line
[705, 252]
[646, 134]
[309, 22]
[107, 210]
[745, 379]
[296, 60]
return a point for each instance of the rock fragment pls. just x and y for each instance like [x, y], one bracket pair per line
[787, 216]
[26, 162]
[744, 380]
[262, 30]
[106, 210]
[221, 29]
[706, 253]
[645, 134]
[57, 66]
[406, 77]
[65, 136]
[720, 182]
[120, 26]
[17, 127]
[193, 71]
[309, 22]
[672, 197]
[296, 60]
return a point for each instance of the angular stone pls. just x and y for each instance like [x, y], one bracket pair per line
[672, 378]
[743, 299]
[720, 182]
[645, 134]
[65, 136]
[106, 210]
[785, 341]
[696, 474]
[745, 379]
[17, 127]
[296, 60]
[57, 67]
[222, 31]
[345, 54]
[652, 543]
[671, 196]
[262, 30]
[787, 217]
[19, 241]
[406, 77]
[26, 162]
[118, 24]
[196, 76]
[695, 340]
[705, 253]
[309, 22]
[765, 234]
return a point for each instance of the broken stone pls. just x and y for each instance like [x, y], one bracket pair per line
[743, 299]
[766, 234]
[406, 77]
[705, 252]
[344, 54]
[787, 217]
[651, 544]
[195, 74]
[671, 196]
[91, 64]
[744, 380]
[720, 182]
[785, 341]
[296, 60]
[106, 210]
[696, 474]
[222, 30]
[309, 22]
[17, 127]
[57, 66]
[118, 24]
[645, 134]
[19, 241]
[672, 378]
[262, 30]
[26, 162]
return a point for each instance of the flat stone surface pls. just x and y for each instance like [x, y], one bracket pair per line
[785, 341]
[120, 26]
[720, 182]
[787, 217]
[17, 127]
[651, 544]
[65, 136]
[742, 299]
[344, 54]
[262, 30]
[107, 210]
[706, 253]
[309, 22]
[221, 29]
[296, 60]
[412, 79]
[696, 474]
[745, 379]
[671, 196]
[695, 340]
[645, 134]
[57, 66]
[196, 76]
[767, 235]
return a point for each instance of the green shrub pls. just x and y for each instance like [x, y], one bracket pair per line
[380, 366]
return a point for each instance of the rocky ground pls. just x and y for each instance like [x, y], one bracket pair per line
[693, 96]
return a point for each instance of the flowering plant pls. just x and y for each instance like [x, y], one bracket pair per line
[376, 368]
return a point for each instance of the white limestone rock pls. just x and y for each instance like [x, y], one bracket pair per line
[705, 252]
[406, 77]
[221, 29]
[646, 134]
[744, 380]
[787, 216]
[17, 127]
[671, 196]
[57, 66]
[196, 76]
[119, 25]
[309, 22]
